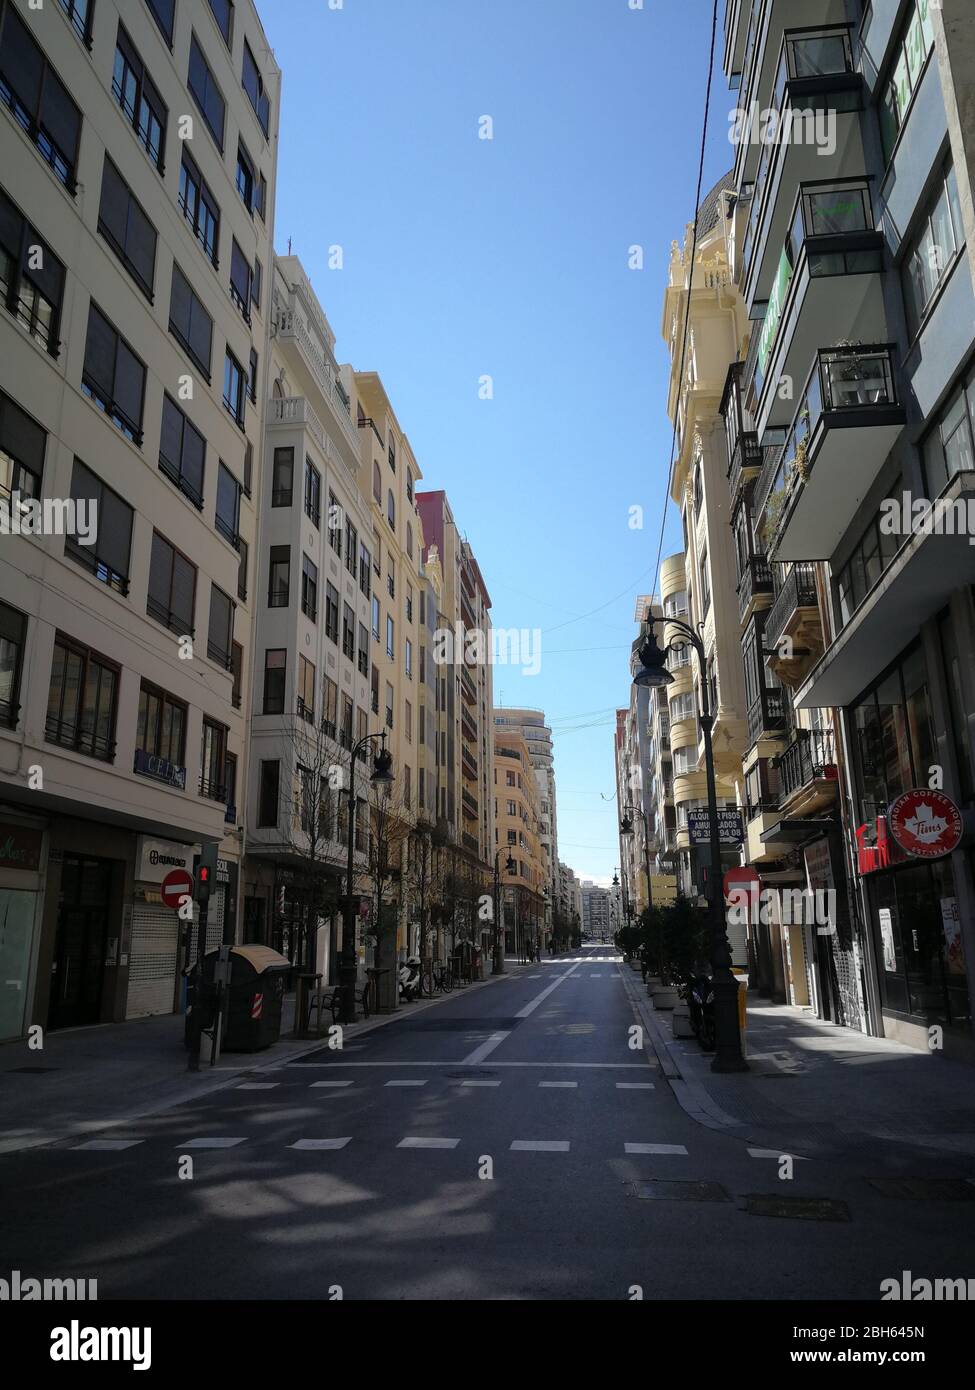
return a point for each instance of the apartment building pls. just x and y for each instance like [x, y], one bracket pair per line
[537, 734]
[853, 252]
[600, 913]
[465, 727]
[518, 819]
[138, 146]
[702, 317]
[570, 901]
[313, 575]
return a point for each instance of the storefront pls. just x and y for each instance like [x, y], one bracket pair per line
[155, 952]
[20, 900]
[914, 905]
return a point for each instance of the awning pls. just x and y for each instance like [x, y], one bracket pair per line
[796, 831]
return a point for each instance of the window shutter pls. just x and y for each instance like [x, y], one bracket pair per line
[160, 570]
[240, 274]
[184, 586]
[11, 227]
[140, 244]
[130, 380]
[20, 437]
[114, 531]
[21, 60]
[171, 436]
[61, 117]
[179, 302]
[194, 457]
[100, 351]
[49, 277]
[201, 332]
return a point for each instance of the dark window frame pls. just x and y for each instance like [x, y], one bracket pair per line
[20, 278]
[165, 613]
[108, 405]
[88, 556]
[62, 162]
[185, 338]
[212, 93]
[203, 201]
[146, 98]
[176, 472]
[82, 740]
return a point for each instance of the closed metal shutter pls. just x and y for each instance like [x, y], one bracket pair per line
[215, 915]
[152, 960]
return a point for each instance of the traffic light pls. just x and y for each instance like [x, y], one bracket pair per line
[206, 869]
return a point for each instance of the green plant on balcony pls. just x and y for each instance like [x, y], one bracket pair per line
[801, 461]
[774, 508]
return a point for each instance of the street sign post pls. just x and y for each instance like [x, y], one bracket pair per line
[729, 827]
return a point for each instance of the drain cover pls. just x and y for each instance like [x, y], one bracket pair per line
[925, 1189]
[798, 1208]
[674, 1191]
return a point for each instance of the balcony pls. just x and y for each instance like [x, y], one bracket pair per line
[468, 688]
[297, 412]
[847, 422]
[794, 618]
[291, 327]
[754, 584]
[766, 716]
[827, 288]
[468, 763]
[470, 842]
[470, 804]
[807, 771]
[814, 133]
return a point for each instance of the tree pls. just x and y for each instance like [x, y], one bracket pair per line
[390, 827]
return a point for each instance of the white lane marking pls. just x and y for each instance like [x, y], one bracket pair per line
[565, 1085]
[533, 1004]
[776, 1153]
[421, 1143]
[595, 975]
[548, 1146]
[406, 1083]
[321, 1143]
[654, 1149]
[484, 1049]
[480, 1083]
[257, 1085]
[635, 1086]
[614, 1066]
[212, 1143]
[107, 1146]
[315, 1084]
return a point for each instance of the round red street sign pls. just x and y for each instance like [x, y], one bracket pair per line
[925, 823]
[743, 879]
[176, 885]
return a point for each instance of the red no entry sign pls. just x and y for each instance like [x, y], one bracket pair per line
[176, 885]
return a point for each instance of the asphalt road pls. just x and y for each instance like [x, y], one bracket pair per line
[505, 1143]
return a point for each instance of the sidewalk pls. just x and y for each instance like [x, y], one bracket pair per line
[819, 1090]
[86, 1079]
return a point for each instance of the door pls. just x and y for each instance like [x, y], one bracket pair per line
[16, 952]
[153, 960]
[79, 954]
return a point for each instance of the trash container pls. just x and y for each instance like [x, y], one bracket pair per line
[252, 1014]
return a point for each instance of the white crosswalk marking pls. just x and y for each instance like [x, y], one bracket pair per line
[654, 1149]
[560, 1085]
[315, 1084]
[406, 1083]
[219, 1143]
[422, 1143]
[480, 1083]
[548, 1146]
[257, 1085]
[635, 1086]
[321, 1143]
[107, 1146]
[776, 1153]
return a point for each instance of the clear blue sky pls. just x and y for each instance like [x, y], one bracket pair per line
[508, 257]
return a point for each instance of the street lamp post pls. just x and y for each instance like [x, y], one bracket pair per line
[348, 966]
[497, 964]
[653, 672]
[626, 828]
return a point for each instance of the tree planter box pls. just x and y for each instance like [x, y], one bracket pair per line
[665, 997]
[681, 1022]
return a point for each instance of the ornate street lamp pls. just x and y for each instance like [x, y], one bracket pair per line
[626, 828]
[653, 672]
[348, 967]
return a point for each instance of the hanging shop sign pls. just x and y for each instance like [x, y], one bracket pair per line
[925, 823]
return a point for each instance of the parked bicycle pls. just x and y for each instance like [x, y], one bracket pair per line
[442, 979]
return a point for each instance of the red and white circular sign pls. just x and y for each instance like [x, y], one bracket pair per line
[925, 823]
[175, 886]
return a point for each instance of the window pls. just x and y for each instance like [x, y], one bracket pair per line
[376, 617]
[932, 250]
[107, 557]
[82, 700]
[199, 207]
[408, 721]
[164, 13]
[213, 764]
[283, 478]
[408, 649]
[160, 730]
[391, 450]
[80, 13]
[331, 612]
[189, 322]
[351, 547]
[389, 705]
[391, 579]
[390, 637]
[22, 443]
[267, 801]
[335, 514]
[172, 587]
[114, 378]
[409, 540]
[377, 483]
[375, 690]
[237, 670]
[136, 94]
[260, 201]
[38, 98]
[227, 518]
[348, 714]
[512, 808]
[391, 510]
[309, 589]
[230, 786]
[910, 55]
[220, 634]
[206, 93]
[407, 785]
[223, 13]
[253, 85]
[257, 280]
[377, 559]
[306, 690]
[182, 452]
[313, 493]
[950, 446]
[275, 674]
[348, 632]
[705, 584]
[234, 388]
[409, 603]
[248, 468]
[127, 229]
[871, 556]
[409, 485]
[242, 571]
[13, 635]
[331, 707]
[31, 278]
[240, 281]
[363, 658]
[252, 378]
[279, 577]
[365, 570]
[246, 177]
[509, 778]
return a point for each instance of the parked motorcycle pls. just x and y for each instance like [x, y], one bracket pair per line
[700, 1002]
[409, 980]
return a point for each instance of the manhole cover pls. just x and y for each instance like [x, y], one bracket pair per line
[669, 1190]
[925, 1189]
[33, 1071]
[798, 1208]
